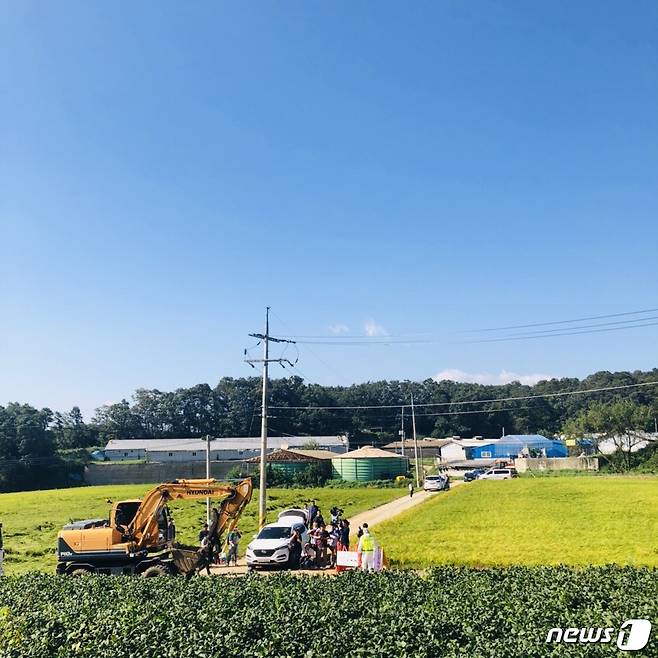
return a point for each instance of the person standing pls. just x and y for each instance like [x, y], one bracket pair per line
[295, 549]
[203, 534]
[332, 543]
[366, 549]
[234, 538]
[345, 535]
[319, 537]
[312, 513]
[411, 490]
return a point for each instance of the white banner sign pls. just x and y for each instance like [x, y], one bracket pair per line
[347, 559]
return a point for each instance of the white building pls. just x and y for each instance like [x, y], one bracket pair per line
[231, 448]
[632, 443]
[462, 449]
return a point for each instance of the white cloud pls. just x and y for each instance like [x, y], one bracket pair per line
[373, 329]
[503, 377]
[338, 328]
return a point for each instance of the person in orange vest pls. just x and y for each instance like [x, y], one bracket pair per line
[366, 549]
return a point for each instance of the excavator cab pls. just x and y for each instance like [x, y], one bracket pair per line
[122, 516]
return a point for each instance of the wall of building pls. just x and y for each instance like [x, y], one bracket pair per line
[123, 455]
[524, 464]
[153, 472]
[452, 452]
[486, 451]
[198, 455]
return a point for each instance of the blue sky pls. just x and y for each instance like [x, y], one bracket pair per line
[167, 170]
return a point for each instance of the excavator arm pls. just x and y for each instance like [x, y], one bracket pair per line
[143, 530]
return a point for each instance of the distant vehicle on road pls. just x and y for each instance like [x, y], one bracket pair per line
[499, 474]
[436, 483]
[475, 474]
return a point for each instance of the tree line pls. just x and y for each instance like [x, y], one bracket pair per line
[31, 438]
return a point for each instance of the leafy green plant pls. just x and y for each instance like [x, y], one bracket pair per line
[447, 612]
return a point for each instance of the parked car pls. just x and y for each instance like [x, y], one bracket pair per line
[270, 546]
[499, 474]
[476, 473]
[436, 483]
[293, 512]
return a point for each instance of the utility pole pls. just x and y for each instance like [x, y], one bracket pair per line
[413, 422]
[402, 431]
[208, 477]
[265, 338]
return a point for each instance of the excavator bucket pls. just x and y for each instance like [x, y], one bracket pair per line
[186, 560]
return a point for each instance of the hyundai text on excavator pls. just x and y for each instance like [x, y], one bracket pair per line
[140, 536]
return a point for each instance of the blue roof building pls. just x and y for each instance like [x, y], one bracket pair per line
[514, 444]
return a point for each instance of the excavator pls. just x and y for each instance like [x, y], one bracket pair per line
[140, 537]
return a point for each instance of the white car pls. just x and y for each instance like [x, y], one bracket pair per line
[292, 512]
[270, 546]
[436, 483]
[499, 474]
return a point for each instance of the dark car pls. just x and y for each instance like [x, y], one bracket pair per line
[469, 476]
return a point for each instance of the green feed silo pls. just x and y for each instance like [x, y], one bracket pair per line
[369, 463]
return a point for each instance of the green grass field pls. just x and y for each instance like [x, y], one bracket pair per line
[529, 521]
[31, 520]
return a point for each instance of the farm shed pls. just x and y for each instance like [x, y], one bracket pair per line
[369, 464]
[189, 450]
[514, 445]
[428, 447]
[291, 462]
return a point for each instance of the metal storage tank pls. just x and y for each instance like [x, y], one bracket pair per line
[369, 463]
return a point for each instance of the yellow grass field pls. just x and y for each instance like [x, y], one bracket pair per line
[529, 521]
[32, 519]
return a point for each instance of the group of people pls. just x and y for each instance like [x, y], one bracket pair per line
[327, 539]
[316, 550]
[324, 539]
[232, 544]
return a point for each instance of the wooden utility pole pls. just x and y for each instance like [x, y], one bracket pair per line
[262, 492]
[266, 338]
[413, 422]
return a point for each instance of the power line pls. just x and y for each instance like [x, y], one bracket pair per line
[467, 402]
[545, 324]
[587, 326]
[566, 333]
[477, 411]
[417, 336]
[426, 341]
[313, 352]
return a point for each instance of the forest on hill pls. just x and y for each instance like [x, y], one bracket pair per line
[232, 408]
[32, 440]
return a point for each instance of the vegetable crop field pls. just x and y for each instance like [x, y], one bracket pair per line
[32, 519]
[562, 520]
[449, 611]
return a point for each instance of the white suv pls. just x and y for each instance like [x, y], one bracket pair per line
[436, 483]
[270, 546]
[499, 474]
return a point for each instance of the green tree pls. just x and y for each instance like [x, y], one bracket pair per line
[623, 422]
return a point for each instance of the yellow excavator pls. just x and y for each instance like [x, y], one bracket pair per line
[140, 536]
